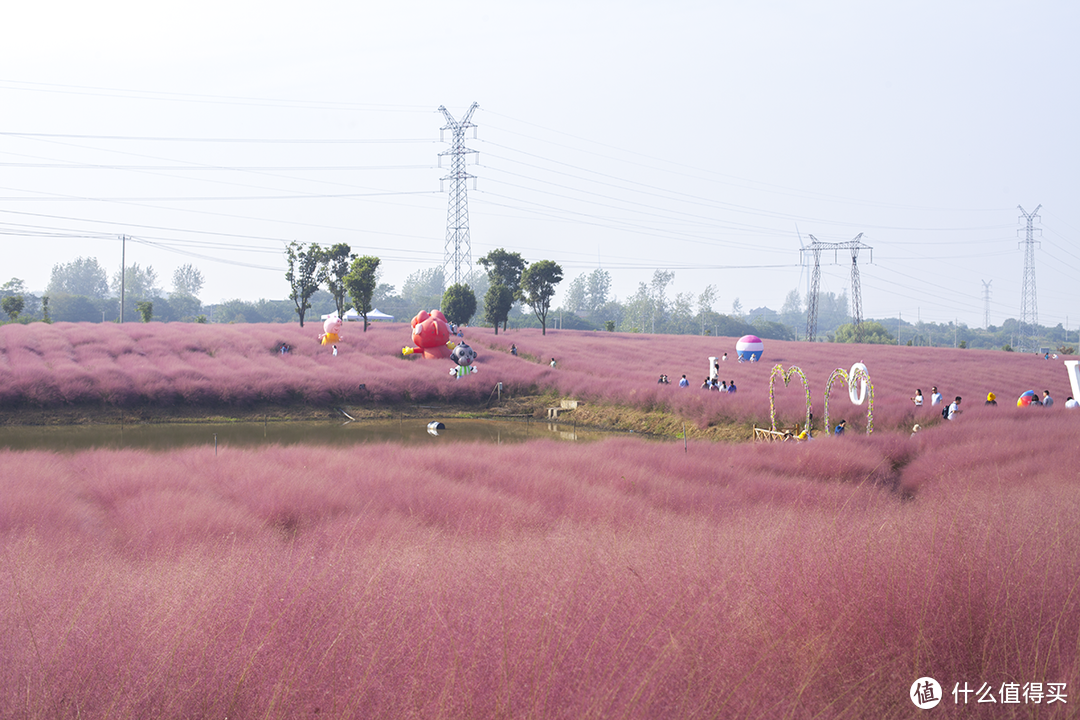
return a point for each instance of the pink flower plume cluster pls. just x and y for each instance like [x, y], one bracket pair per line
[134, 365]
[616, 579]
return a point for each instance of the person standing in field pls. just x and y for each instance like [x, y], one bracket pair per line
[954, 409]
[513, 349]
[918, 398]
[552, 362]
[1071, 403]
[684, 382]
[731, 386]
[840, 428]
[935, 397]
[991, 399]
[335, 351]
[1047, 400]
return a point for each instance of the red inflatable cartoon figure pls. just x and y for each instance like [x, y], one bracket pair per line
[430, 335]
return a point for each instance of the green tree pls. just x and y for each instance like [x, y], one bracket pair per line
[303, 275]
[497, 303]
[145, 309]
[80, 308]
[183, 307]
[658, 293]
[187, 281]
[873, 333]
[538, 283]
[576, 294]
[13, 305]
[681, 316]
[504, 268]
[336, 263]
[360, 282]
[637, 311]
[14, 286]
[423, 289]
[705, 302]
[597, 288]
[458, 304]
[45, 317]
[82, 276]
[139, 283]
[791, 312]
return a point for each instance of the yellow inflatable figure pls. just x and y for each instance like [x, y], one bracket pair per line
[331, 330]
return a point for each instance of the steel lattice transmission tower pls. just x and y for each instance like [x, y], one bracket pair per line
[986, 303]
[1029, 304]
[457, 259]
[812, 292]
[854, 245]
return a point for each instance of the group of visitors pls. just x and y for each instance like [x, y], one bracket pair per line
[718, 385]
[708, 384]
[950, 412]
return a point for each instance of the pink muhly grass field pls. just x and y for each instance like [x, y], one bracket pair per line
[134, 365]
[615, 579]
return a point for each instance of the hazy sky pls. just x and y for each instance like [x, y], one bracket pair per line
[701, 137]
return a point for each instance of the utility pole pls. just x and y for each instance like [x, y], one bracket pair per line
[986, 304]
[854, 245]
[457, 258]
[1029, 308]
[123, 273]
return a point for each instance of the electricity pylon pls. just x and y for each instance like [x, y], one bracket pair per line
[986, 303]
[1029, 304]
[457, 259]
[814, 280]
[854, 245]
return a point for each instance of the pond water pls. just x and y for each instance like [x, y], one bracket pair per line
[162, 436]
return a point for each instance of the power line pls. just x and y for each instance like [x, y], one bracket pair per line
[239, 141]
[156, 95]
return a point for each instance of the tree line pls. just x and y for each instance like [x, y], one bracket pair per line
[509, 279]
[511, 292]
[81, 291]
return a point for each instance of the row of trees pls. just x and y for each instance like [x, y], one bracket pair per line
[80, 291]
[339, 269]
[509, 279]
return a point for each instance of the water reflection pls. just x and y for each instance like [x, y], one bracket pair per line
[72, 438]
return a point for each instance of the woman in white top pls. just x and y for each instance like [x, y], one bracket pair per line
[918, 398]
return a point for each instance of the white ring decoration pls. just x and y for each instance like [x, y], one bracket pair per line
[861, 397]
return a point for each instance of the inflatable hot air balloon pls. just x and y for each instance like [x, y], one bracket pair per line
[749, 348]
